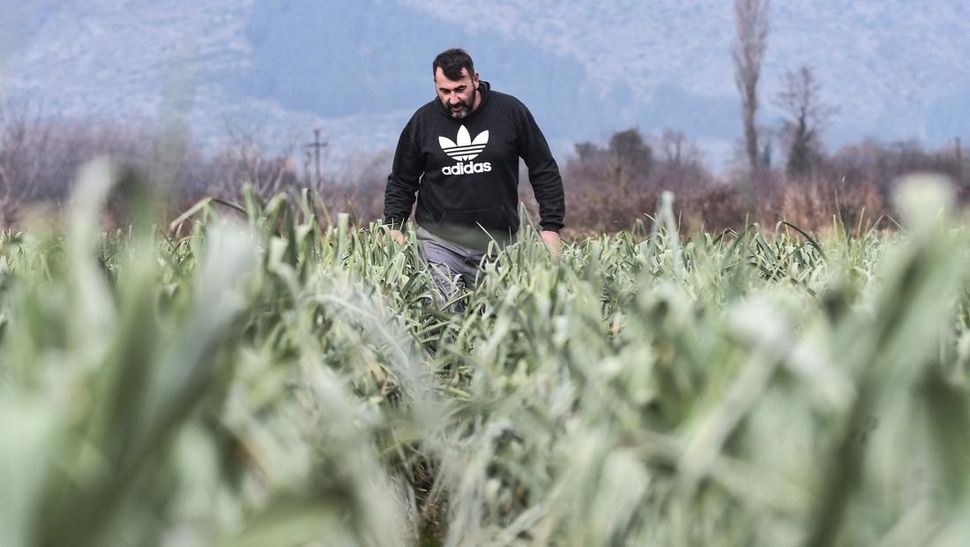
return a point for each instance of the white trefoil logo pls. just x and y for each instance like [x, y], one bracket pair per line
[465, 150]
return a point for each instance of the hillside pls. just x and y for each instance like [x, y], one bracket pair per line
[358, 69]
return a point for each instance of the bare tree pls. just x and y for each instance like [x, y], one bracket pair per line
[751, 24]
[676, 150]
[248, 159]
[800, 97]
[25, 144]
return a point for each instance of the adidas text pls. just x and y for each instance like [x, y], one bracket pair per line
[466, 168]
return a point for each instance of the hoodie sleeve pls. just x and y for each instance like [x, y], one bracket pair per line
[543, 172]
[405, 177]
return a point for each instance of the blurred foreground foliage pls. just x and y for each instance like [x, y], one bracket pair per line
[247, 377]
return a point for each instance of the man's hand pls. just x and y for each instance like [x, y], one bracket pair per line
[551, 239]
[398, 237]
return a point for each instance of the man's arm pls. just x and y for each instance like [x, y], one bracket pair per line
[403, 182]
[544, 177]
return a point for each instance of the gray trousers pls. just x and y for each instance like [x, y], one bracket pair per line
[454, 269]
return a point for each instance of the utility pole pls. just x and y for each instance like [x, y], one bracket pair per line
[959, 161]
[316, 146]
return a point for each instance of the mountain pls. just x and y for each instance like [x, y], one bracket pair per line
[357, 69]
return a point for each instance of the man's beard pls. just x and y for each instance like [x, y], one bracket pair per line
[463, 108]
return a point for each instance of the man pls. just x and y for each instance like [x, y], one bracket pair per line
[460, 154]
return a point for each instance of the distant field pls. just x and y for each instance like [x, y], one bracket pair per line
[259, 380]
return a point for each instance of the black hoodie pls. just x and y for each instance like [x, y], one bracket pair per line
[466, 171]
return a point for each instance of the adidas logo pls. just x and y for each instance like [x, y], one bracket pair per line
[465, 149]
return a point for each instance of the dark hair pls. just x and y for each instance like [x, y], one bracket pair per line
[451, 61]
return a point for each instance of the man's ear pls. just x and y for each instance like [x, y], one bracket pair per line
[475, 80]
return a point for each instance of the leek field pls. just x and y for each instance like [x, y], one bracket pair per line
[262, 374]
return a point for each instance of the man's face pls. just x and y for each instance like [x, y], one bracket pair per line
[458, 97]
